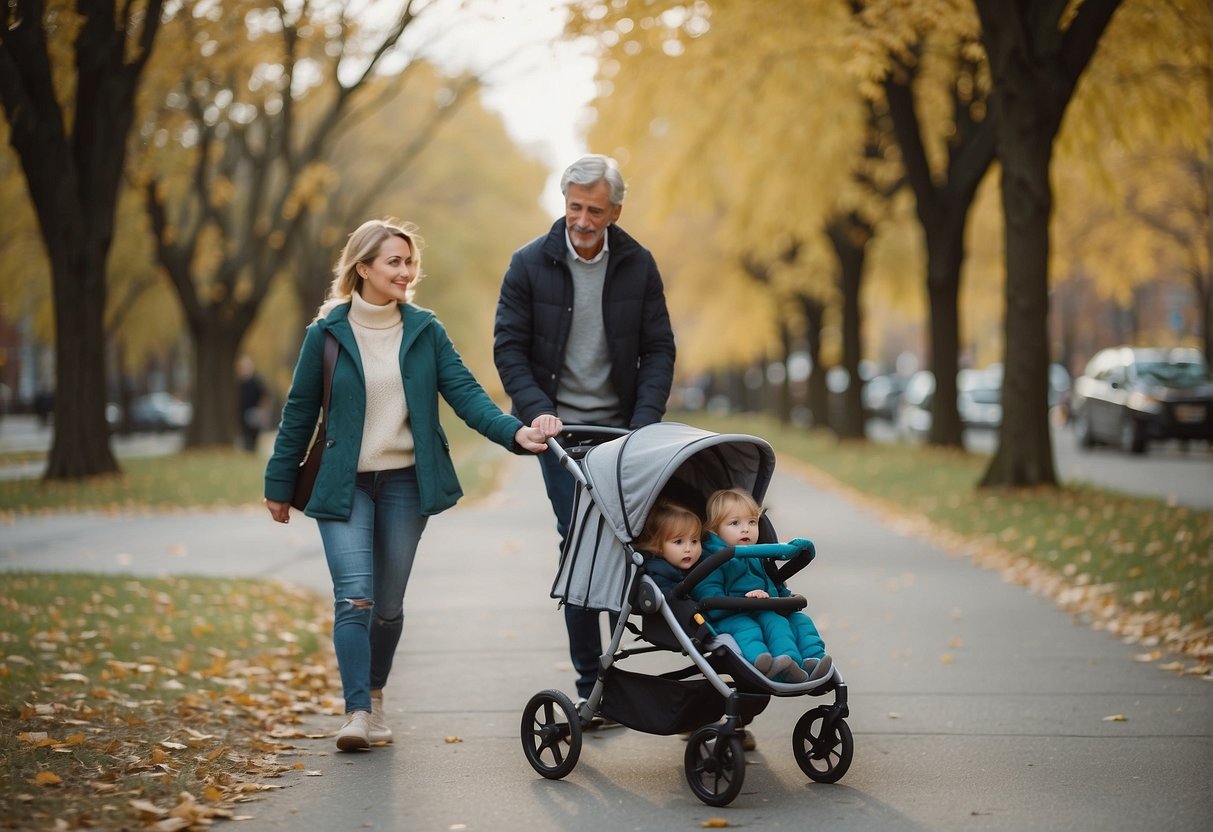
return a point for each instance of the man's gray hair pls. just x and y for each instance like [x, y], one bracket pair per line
[592, 168]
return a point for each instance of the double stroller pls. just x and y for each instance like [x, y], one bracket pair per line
[618, 482]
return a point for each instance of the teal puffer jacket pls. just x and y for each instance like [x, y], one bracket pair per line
[429, 365]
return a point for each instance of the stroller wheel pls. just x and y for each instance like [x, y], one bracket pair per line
[715, 765]
[551, 734]
[824, 755]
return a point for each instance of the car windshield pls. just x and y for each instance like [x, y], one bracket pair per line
[1173, 374]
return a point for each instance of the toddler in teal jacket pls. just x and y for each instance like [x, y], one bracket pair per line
[787, 648]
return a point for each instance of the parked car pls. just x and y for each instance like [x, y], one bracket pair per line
[160, 412]
[914, 406]
[1129, 396]
[979, 397]
[881, 395]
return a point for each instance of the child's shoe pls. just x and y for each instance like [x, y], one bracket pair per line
[779, 666]
[821, 667]
[794, 674]
[377, 729]
[353, 735]
[762, 663]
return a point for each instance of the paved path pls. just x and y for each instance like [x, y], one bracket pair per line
[975, 705]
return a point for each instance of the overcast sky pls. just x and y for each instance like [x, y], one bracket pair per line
[540, 84]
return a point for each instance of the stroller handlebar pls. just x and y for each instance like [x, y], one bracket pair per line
[786, 604]
[575, 440]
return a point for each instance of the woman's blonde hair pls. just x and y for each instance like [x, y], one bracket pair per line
[363, 247]
[727, 500]
[667, 521]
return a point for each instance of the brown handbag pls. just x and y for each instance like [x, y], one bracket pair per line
[305, 479]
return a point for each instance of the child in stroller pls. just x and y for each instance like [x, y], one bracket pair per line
[792, 639]
[619, 483]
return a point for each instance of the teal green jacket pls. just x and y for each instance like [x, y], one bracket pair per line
[429, 365]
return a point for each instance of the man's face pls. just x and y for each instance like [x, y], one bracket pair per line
[587, 212]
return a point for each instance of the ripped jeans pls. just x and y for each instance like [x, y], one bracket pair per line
[370, 556]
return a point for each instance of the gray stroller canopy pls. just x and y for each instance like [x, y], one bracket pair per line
[625, 478]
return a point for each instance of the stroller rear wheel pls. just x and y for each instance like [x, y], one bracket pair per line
[823, 754]
[551, 734]
[715, 765]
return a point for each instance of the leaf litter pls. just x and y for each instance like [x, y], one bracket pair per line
[154, 704]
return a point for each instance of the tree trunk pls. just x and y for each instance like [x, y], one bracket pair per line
[73, 166]
[80, 445]
[783, 400]
[1025, 450]
[942, 201]
[215, 421]
[819, 396]
[1035, 65]
[850, 236]
[945, 247]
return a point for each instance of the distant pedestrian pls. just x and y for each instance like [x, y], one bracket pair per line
[251, 403]
[387, 466]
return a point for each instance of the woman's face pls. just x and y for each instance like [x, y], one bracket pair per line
[387, 278]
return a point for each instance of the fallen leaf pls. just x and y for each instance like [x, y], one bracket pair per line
[894, 715]
[148, 808]
[946, 658]
[1116, 718]
[47, 778]
[714, 823]
[454, 739]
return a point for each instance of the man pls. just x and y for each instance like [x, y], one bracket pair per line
[582, 332]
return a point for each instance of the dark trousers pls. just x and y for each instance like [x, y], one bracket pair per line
[585, 635]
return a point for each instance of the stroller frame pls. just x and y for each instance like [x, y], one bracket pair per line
[715, 759]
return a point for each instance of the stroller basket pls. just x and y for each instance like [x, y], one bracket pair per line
[659, 704]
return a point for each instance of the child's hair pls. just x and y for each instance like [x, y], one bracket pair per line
[726, 500]
[667, 521]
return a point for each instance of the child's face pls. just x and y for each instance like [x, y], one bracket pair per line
[739, 528]
[682, 550]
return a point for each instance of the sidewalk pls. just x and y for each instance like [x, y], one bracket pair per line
[974, 704]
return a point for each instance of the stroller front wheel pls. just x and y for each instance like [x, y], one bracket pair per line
[551, 734]
[715, 765]
[824, 754]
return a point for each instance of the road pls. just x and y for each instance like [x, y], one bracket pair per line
[1168, 470]
[975, 705]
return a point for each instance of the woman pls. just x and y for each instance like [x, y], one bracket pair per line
[386, 466]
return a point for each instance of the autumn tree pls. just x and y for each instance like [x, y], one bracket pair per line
[260, 94]
[926, 64]
[1038, 50]
[764, 121]
[1131, 170]
[68, 79]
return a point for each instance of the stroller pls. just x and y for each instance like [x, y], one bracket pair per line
[618, 482]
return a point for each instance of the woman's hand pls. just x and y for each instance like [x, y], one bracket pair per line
[279, 511]
[534, 437]
[757, 593]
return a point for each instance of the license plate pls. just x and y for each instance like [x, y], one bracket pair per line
[1190, 413]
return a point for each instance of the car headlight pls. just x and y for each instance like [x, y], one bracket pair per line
[1144, 403]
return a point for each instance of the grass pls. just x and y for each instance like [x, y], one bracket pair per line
[1135, 564]
[129, 700]
[208, 478]
[132, 703]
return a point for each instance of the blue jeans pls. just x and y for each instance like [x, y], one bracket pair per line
[585, 635]
[370, 556]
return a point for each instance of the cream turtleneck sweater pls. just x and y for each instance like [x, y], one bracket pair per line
[387, 438]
